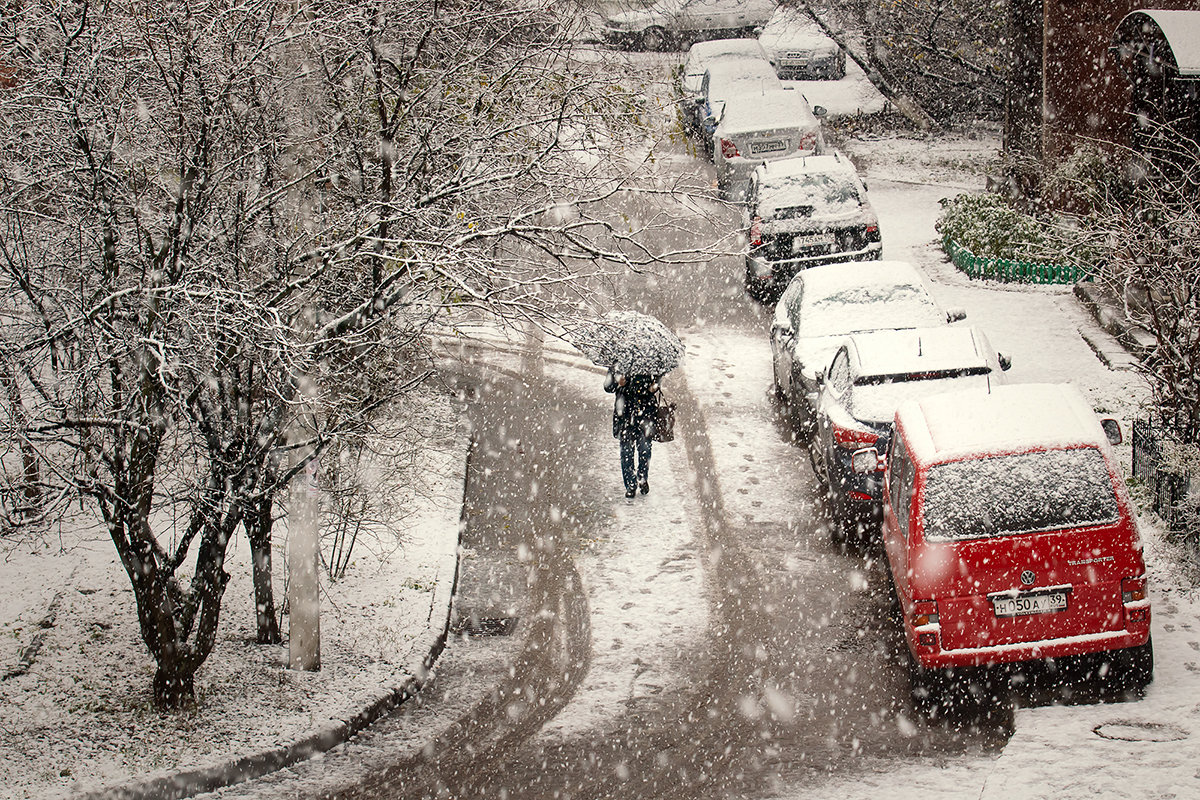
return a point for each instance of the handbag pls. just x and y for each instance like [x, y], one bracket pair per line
[664, 420]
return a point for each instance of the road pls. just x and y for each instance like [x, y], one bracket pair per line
[705, 641]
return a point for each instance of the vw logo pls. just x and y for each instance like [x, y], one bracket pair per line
[1028, 577]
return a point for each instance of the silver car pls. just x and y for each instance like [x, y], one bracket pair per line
[671, 24]
[759, 127]
[700, 57]
[799, 49]
[824, 305]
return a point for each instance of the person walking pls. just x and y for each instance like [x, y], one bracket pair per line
[634, 409]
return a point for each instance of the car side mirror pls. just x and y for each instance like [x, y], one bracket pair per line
[867, 460]
[1112, 429]
[1005, 362]
[819, 111]
[955, 314]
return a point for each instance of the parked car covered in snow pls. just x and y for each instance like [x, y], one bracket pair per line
[802, 212]
[1009, 536]
[671, 24]
[870, 375]
[724, 80]
[700, 57]
[760, 127]
[823, 305]
[799, 49]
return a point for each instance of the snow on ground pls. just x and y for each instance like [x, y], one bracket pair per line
[81, 717]
[644, 577]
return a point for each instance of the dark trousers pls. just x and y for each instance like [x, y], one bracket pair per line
[633, 437]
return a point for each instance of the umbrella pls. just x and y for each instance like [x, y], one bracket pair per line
[629, 342]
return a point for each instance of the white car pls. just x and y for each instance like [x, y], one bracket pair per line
[669, 24]
[803, 212]
[758, 127]
[700, 57]
[869, 377]
[724, 80]
[799, 49]
[823, 305]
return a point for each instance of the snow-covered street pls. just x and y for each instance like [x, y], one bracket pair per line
[705, 640]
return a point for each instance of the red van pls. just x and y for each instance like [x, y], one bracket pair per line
[1009, 535]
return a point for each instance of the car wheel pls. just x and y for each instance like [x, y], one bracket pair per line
[926, 686]
[802, 417]
[756, 291]
[816, 457]
[1131, 669]
[654, 39]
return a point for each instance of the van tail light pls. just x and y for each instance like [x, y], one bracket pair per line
[729, 149]
[852, 438]
[808, 142]
[756, 232]
[1133, 590]
[873, 233]
[924, 613]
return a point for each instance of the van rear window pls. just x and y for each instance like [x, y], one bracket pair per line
[1004, 495]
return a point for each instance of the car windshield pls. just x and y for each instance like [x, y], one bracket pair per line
[826, 192]
[876, 398]
[1022, 493]
[867, 308]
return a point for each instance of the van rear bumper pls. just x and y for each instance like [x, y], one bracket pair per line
[933, 657]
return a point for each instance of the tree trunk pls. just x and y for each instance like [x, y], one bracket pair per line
[173, 687]
[258, 530]
[30, 470]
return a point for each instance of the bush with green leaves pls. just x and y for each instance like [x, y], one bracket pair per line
[989, 226]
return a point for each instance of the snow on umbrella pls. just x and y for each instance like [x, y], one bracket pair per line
[630, 342]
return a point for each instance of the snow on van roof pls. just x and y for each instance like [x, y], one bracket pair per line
[1007, 419]
[900, 352]
[755, 108]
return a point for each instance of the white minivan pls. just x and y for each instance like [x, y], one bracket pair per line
[757, 126]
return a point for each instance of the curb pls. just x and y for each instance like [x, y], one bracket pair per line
[1104, 306]
[187, 783]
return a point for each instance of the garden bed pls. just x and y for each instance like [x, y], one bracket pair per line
[1004, 269]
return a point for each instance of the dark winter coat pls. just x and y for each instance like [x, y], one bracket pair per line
[635, 402]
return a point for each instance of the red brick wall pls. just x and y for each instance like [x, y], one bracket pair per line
[1084, 94]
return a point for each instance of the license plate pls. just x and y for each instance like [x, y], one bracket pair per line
[767, 146]
[808, 240]
[1024, 605]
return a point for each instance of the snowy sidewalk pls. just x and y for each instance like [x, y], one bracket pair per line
[1148, 748]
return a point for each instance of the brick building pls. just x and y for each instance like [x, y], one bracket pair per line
[1080, 67]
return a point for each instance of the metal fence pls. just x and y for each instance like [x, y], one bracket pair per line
[1169, 488]
[1004, 269]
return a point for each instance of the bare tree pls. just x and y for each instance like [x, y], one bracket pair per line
[201, 205]
[934, 59]
[1143, 235]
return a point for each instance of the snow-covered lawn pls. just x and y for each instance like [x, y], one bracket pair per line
[81, 717]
